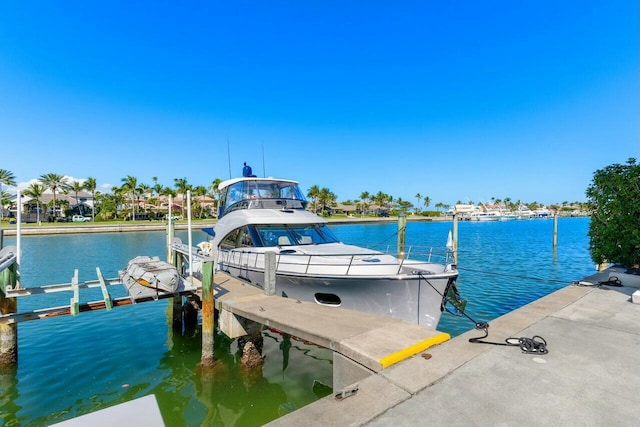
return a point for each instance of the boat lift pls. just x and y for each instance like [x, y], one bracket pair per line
[74, 308]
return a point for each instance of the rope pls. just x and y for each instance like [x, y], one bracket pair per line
[613, 281]
[533, 345]
[390, 237]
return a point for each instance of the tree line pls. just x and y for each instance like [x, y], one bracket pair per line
[324, 198]
[107, 205]
[132, 192]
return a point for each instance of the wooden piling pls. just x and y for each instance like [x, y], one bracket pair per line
[8, 333]
[208, 324]
[402, 234]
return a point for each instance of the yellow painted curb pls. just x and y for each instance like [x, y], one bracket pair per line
[412, 350]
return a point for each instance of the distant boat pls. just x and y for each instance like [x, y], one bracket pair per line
[541, 212]
[507, 215]
[489, 215]
[523, 212]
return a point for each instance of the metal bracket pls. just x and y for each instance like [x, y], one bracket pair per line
[347, 392]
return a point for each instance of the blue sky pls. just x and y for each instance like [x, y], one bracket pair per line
[462, 100]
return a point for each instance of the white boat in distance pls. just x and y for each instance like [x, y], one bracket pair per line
[266, 214]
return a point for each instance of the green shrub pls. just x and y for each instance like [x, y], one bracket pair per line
[614, 201]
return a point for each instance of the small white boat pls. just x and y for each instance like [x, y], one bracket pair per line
[266, 214]
[150, 277]
[485, 216]
[542, 212]
[523, 212]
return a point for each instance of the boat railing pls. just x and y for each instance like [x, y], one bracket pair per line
[250, 258]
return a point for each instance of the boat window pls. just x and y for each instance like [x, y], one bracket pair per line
[238, 238]
[303, 234]
[272, 235]
[244, 238]
[261, 193]
[313, 234]
[326, 234]
[229, 242]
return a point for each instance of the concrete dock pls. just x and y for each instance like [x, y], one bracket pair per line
[590, 377]
[363, 344]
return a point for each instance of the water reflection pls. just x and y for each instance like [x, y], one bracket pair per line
[228, 394]
[9, 396]
[65, 376]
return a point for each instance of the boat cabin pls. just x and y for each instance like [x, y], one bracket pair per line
[259, 193]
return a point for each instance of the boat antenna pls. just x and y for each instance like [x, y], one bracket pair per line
[229, 156]
[264, 172]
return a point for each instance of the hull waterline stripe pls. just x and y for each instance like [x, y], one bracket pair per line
[413, 350]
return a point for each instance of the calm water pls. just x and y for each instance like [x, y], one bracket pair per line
[70, 366]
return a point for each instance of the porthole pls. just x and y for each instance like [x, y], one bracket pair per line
[328, 299]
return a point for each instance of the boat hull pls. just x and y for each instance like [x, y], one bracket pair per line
[412, 297]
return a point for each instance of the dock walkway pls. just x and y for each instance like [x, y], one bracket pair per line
[590, 377]
[373, 342]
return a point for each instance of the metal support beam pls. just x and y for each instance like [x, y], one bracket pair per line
[105, 293]
[75, 300]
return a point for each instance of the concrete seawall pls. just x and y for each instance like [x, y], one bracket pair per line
[106, 227]
[98, 228]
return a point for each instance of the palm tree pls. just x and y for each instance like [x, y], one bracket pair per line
[54, 182]
[314, 194]
[419, 197]
[182, 187]
[36, 190]
[199, 190]
[6, 178]
[167, 191]
[326, 198]
[216, 193]
[4, 199]
[507, 203]
[157, 187]
[427, 201]
[76, 187]
[90, 185]
[365, 197]
[141, 192]
[382, 199]
[129, 185]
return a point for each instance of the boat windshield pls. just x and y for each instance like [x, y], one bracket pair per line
[286, 235]
[262, 194]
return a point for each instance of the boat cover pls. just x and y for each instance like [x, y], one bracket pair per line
[148, 276]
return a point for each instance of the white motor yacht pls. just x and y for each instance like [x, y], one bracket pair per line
[266, 214]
